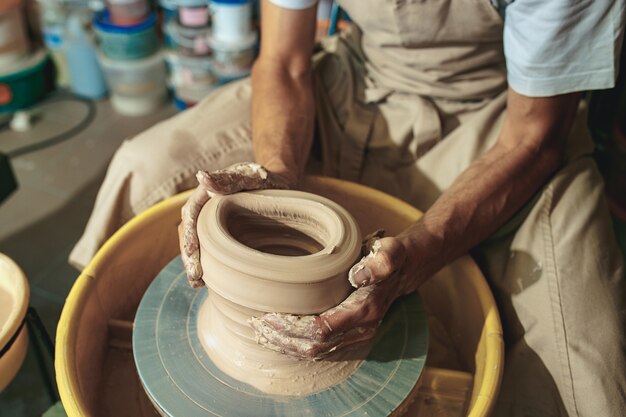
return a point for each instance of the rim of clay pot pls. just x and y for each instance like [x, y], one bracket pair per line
[269, 282]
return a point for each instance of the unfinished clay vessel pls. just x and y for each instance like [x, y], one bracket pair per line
[273, 251]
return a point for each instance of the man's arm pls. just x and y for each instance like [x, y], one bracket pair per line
[282, 123]
[530, 148]
[282, 93]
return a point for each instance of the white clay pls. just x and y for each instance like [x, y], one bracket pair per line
[314, 243]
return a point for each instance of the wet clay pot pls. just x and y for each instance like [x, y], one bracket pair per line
[278, 250]
[273, 251]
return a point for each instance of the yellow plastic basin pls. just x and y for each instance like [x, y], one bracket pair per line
[14, 297]
[94, 364]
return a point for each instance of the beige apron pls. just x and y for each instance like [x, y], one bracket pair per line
[405, 102]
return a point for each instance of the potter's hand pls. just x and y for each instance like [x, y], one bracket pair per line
[380, 278]
[238, 177]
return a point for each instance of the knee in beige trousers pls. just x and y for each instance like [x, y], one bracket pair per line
[161, 162]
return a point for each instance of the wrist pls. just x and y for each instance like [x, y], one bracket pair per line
[422, 251]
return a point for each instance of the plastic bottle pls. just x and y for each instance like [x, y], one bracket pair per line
[86, 77]
[53, 23]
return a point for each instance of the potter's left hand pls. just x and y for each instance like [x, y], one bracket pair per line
[380, 278]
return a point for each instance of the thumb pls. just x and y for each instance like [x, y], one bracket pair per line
[244, 176]
[386, 257]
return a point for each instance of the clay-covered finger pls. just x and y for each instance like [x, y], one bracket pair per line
[294, 326]
[385, 259]
[190, 246]
[365, 307]
[310, 348]
[314, 327]
[240, 177]
[367, 245]
[191, 261]
[271, 338]
[279, 341]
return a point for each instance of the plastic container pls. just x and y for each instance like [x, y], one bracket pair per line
[194, 16]
[127, 12]
[126, 42]
[191, 78]
[14, 298]
[137, 87]
[86, 77]
[232, 60]
[26, 81]
[188, 70]
[94, 365]
[189, 40]
[132, 78]
[232, 20]
[14, 42]
[139, 105]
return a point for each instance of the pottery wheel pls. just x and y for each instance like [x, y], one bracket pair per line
[181, 380]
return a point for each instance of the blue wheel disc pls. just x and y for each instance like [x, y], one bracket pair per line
[181, 380]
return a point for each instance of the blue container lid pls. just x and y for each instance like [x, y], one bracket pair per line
[102, 22]
[180, 105]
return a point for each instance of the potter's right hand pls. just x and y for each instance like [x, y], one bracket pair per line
[239, 177]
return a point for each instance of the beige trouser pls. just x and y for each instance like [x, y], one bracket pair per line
[554, 269]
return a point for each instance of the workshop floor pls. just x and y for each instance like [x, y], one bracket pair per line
[40, 222]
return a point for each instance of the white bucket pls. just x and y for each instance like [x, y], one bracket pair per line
[232, 20]
[140, 105]
[13, 38]
[188, 70]
[233, 59]
[135, 78]
[137, 87]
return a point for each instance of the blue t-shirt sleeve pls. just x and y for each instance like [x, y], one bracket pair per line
[561, 46]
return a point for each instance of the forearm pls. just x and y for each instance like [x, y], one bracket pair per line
[488, 193]
[282, 117]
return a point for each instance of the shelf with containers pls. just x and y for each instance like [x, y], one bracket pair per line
[209, 43]
[127, 48]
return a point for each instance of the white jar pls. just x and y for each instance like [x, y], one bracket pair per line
[138, 105]
[133, 78]
[137, 87]
[232, 60]
[232, 20]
